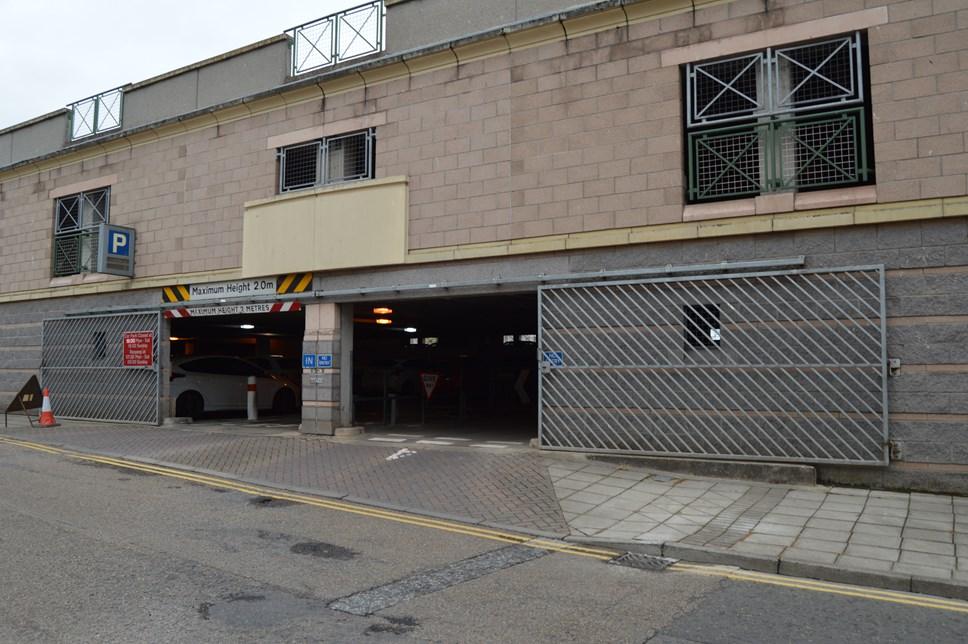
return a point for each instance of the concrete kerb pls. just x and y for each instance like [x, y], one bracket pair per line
[789, 567]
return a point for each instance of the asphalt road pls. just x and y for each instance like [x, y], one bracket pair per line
[94, 553]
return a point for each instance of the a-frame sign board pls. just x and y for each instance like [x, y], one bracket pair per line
[30, 397]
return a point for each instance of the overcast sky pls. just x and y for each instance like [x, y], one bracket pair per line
[54, 52]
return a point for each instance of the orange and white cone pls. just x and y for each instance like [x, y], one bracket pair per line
[46, 413]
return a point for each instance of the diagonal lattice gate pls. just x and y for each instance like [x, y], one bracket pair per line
[83, 366]
[784, 365]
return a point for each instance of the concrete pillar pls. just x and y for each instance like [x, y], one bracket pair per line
[321, 386]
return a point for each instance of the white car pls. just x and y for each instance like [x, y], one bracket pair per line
[202, 384]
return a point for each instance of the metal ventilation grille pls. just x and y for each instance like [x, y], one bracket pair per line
[300, 166]
[727, 88]
[816, 73]
[821, 151]
[727, 164]
[347, 157]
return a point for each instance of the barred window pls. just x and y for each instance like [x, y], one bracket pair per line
[76, 219]
[335, 159]
[781, 119]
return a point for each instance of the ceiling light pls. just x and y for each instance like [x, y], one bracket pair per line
[246, 326]
[173, 339]
[411, 329]
[382, 310]
[384, 321]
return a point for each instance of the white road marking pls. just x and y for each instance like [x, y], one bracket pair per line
[506, 442]
[429, 442]
[488, 445]
[451, 438]
[407, 435]
[388, 440]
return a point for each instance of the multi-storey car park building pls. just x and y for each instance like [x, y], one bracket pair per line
[713, 229]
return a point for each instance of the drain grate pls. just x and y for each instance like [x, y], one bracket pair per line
[642, 562]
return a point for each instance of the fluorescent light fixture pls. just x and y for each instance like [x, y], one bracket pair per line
[384, 321]
[382, 310]
[246, 326]
[411, 329]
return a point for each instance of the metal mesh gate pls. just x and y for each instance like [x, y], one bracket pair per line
[783, 365]
[83, 367]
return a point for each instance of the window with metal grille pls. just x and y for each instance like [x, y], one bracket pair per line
[781, 119]
[335, 159]
[76, 219]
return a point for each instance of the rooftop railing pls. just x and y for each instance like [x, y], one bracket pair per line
[338, 37]
[96, 114]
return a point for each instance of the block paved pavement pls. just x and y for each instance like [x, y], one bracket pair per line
[852, 529]
[924, 535]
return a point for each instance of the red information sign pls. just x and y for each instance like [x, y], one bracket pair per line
[139, 350]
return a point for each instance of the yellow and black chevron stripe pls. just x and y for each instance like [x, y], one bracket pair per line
[177, 293]
[294, 283]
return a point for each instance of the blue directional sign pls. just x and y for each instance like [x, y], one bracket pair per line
[309, 361]
[324, 361]
[555, 358]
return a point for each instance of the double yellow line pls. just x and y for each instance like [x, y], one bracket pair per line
[895, 597]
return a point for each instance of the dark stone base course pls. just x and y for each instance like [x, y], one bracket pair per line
[778, 473]
[901, 477]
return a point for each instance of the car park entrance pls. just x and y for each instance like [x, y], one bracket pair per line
[213, 357]
[459, 365]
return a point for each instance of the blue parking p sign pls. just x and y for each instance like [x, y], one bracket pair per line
[115, 248]
[119, 242]
[309, 361]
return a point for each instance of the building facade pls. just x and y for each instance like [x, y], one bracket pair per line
[730, 229]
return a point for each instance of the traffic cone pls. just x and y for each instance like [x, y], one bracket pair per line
[46, 413]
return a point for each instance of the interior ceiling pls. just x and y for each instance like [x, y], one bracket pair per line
[291, 324]
[516, 313]
[513, 313]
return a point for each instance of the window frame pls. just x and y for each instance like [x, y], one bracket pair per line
[775, 123]
[82, 228]
[322, 159]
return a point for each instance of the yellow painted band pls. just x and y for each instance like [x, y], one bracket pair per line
[284, 285]
[909, 599]
[307, 278]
